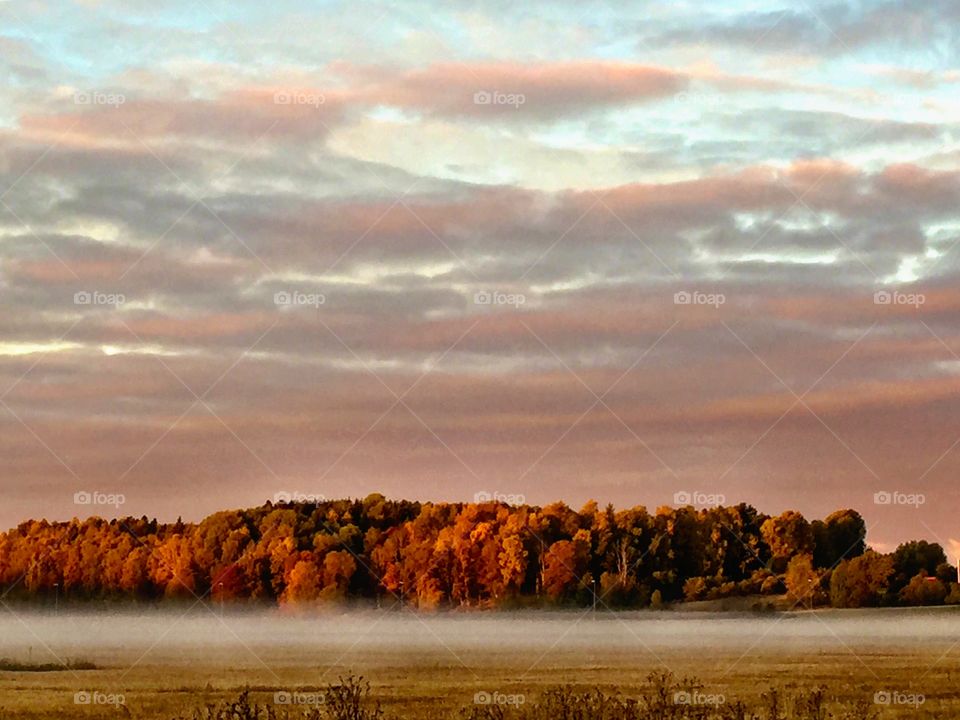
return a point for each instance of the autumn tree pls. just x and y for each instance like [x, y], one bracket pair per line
[862, 581]
[842, 535]
[627, 553]
[171, 567]
[514, 553]
[565, 566]
[924, 589]
[786, 535]
[802, 581]
[476, 554]
[338, 569]
[303, 583]
[914, 558]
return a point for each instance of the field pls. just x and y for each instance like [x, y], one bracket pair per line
[165, 663]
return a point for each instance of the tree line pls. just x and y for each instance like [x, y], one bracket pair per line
[485, 554]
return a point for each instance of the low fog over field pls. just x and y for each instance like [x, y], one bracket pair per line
[384, 636]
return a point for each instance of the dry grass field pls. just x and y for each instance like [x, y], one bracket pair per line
[431, 667]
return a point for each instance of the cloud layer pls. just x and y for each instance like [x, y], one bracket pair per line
[537, 250]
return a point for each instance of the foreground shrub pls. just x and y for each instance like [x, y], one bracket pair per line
[347, 700]
[663, 697]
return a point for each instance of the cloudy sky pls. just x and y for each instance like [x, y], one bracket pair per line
[562, 250]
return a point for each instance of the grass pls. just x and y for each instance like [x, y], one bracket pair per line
[564, 686]
[184, 671]
[663, 698]
[7, 665]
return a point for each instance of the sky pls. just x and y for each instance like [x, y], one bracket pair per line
[645, 253]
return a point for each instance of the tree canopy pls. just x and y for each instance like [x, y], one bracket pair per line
[468, 554]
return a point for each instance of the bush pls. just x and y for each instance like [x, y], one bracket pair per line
[803, 582]
[662, 697]
[861, 582]
[923, 589]
[771, 585]
[348, 700]
[695, 588]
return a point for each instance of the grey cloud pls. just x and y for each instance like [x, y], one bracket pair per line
[829, 27]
